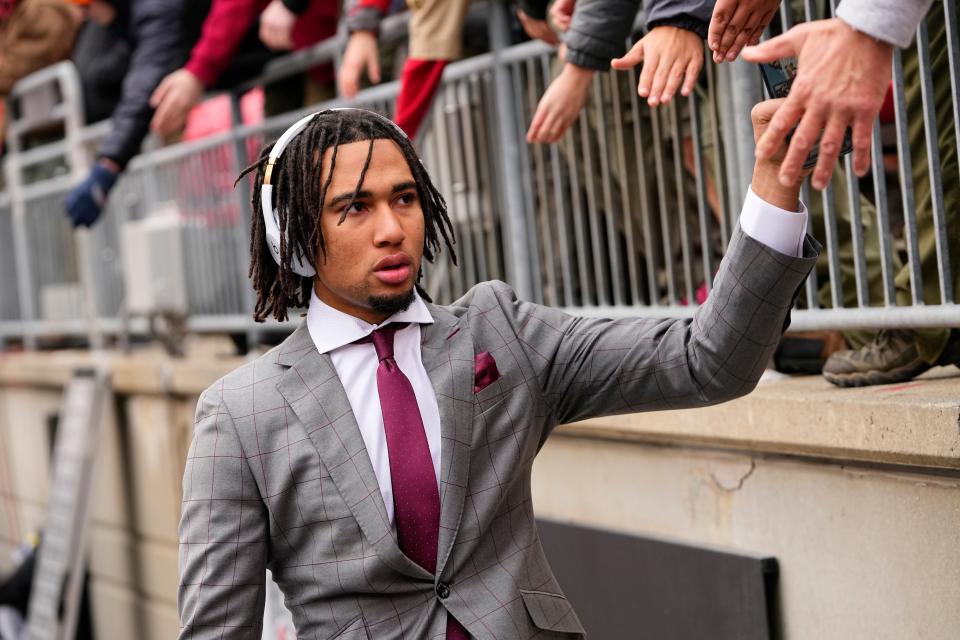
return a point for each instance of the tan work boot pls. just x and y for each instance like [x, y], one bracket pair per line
[891, 357]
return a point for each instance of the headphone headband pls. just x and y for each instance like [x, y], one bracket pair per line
[271, 223]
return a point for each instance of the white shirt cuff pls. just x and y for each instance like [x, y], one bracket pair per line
[777, 228]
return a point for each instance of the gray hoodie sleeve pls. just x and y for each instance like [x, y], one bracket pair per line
[692, 15]
[599, 30]
[893, 21]
[362, 18]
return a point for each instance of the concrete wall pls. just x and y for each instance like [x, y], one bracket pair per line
[863, 553]
[136, 504]
[857, 493]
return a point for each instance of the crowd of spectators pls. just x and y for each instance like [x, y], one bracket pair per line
[146, 63]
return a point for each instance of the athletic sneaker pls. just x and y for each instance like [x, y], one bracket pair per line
[891, 357]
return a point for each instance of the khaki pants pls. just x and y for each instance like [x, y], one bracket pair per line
[436, 28]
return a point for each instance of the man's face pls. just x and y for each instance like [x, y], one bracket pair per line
[372, 259]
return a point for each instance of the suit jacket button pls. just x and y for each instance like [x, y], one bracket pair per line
[443, 591]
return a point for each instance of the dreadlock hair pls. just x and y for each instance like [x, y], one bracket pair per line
[298, 198]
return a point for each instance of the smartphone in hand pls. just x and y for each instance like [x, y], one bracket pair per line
[778, 78]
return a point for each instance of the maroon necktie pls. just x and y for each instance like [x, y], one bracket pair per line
[416, 499]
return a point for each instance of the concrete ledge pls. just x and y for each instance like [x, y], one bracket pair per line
[916, 424]
[148, 372]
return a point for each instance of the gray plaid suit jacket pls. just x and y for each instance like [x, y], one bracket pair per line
[278, 477]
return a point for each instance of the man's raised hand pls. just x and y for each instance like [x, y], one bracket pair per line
[765, 181]
[670, 56]
[737, 23]
[842, 77]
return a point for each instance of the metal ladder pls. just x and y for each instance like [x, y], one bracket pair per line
[61, 558]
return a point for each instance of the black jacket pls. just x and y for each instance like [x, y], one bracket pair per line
[159, 34]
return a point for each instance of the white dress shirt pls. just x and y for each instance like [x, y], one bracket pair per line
[335, 332]
[775, 227]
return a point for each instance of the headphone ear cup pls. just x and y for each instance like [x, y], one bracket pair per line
[270, 226]
[272, 232]
[301, 268]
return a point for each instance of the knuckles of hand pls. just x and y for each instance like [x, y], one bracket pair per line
[758, 114]
[800, 141]
[801, 87]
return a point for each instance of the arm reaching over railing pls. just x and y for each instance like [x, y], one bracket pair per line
[842, 76]
[737, 23]
[154, 28]
[591, 367]
[671, 54]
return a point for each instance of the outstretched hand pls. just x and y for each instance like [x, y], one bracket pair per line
[561, 14]
[86, 201]
[766, 182]
[173, 99]
[276, 26]
[737, 23]
[670, 56]
[361, 54]
[560, 104]
[538, 29]
[842, 78]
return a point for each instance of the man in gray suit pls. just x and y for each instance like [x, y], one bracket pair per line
[378, 461]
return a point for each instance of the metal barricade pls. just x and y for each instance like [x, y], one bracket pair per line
[9, 297]
[631, 211]
[458, 153]
[628, 215]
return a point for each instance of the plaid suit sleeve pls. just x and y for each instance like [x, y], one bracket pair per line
[590, 367]
[223, 532]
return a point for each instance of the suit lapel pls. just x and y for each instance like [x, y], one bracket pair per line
[447, 352]
[314, 391]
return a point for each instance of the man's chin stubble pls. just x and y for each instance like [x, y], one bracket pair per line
[389, 305]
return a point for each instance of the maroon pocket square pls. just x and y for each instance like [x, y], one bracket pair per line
[485, 371]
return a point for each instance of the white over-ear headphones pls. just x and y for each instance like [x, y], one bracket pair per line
[270, 221]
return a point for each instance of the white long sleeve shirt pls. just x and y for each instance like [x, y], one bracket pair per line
[893, 21]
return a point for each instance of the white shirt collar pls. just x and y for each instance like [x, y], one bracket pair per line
[331, 329]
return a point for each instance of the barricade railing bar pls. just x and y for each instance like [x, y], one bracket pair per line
[629, 214]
